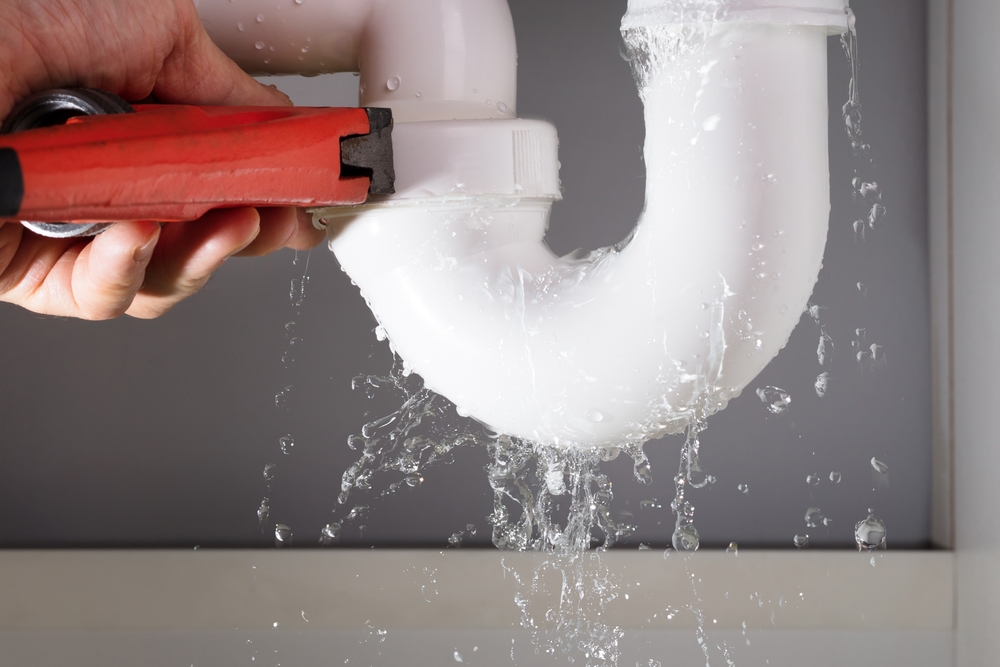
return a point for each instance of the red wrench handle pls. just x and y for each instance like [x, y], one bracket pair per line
[175, 162]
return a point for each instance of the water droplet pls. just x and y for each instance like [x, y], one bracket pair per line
[877, 355]
[814, 517]
[260, 18]
[555, 481]
[824, 350]
[380, 333]
[263, 512]
[743, 488]
[866, 190]
[281, 398]
[259, 45]
[812, 480]
[733, 548]
[287, 444]
[644, 547]
[489, 103]
[711, 123]
[329, 534]
[870, 533]
[822, 384]
[357, 512]
[859, 229]
[240, 27]
[776, 399]
[862, 289]
[686, 538]
[876, 215]
[595, 415]
[800, 541]
[455, 540]
[269, 471]
[880, 467]
[650, 504]
[501, 107]
[299, 2]
[457, 656]
[835, 477]
[393, 83]
[282, 536]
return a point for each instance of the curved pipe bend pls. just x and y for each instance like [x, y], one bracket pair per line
[636, 342]
[424, 59]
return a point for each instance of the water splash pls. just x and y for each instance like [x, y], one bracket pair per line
[869, 533]
[776, 399]
[282, 535]
[690, 474]
[822, 384]
[530, 481]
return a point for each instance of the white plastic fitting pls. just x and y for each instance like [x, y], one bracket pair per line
[830, 14]
[633, 342]
[424, 59]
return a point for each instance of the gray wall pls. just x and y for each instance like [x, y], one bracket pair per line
[156, 433]
[968, 211]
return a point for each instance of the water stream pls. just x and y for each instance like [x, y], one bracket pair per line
[556, 499]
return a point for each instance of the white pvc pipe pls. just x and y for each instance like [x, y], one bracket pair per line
[424, 59]
[632, 344]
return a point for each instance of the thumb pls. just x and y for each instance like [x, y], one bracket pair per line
[196, 71]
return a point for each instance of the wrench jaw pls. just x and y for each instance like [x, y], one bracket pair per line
[371, 154]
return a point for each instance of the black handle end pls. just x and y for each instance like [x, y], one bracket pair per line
[11, 183]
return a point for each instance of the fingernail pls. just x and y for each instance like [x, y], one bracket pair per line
[145, 251]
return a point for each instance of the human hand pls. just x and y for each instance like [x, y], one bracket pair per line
[134, 49]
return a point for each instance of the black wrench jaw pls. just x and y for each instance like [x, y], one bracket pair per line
[371, 154]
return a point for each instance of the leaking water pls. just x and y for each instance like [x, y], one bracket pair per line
[530, 481]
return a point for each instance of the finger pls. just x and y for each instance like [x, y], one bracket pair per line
[10, 240]
[306, 235]
[92, 279]
[109, 270]
[187, 255]
[283, 228]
